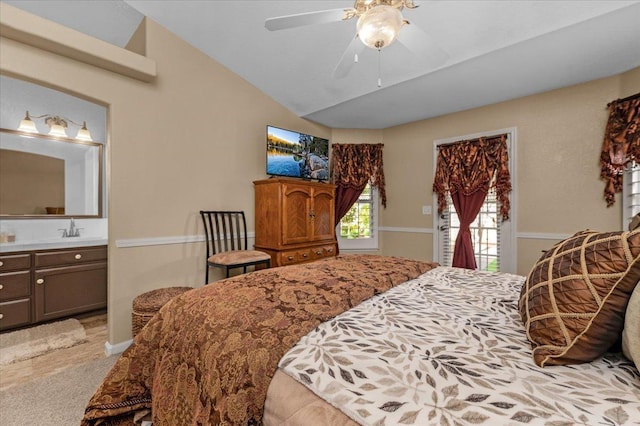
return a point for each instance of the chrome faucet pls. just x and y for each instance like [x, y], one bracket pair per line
[72, 231]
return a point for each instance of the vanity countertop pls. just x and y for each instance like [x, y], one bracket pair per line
[52, 244]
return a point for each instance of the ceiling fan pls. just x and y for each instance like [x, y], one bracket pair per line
[380, 23]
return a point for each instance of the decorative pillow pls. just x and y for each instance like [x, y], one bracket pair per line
[631, 332]
[573, 302]
[635, 222]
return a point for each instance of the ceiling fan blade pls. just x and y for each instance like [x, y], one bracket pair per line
[310, 18]
[348, 58]
[422, 45]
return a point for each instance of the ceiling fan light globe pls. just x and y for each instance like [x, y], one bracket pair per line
[379, 26]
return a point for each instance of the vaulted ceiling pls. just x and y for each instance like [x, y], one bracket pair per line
[497, 50]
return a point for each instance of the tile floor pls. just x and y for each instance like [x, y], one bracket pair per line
[56, 361]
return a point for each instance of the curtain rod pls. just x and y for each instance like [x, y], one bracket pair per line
[476, 140]
[628, 98]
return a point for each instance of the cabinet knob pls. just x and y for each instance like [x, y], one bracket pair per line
[1, 263]
[330, 250]
[40, 281]
[319, 252]
[1, 316]
[305, 254]
[78, 256]
[1, 286]
[289, 257]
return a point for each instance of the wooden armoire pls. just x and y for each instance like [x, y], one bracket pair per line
[295, 220]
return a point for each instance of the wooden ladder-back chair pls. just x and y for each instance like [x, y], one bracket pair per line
[226, 233]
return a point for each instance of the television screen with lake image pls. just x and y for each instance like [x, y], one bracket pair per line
[296, 154]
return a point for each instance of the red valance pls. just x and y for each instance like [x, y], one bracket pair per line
[353, 165]
[621, 145]
[470, 166]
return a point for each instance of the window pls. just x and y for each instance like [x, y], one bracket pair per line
[494, 240]
[485, 234]
[358, 229]
[630, 194]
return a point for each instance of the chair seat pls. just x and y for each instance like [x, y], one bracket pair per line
[238, 257]
[226, 242]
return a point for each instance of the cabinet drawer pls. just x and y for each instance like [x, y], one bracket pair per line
[14, 285]
[321, 252]
[15, 313]
[294, 256]
[16, 261]
[317, 252]
[69, 290]
[70, 257]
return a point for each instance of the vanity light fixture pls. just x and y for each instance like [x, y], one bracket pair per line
[27, 125]
[57, 126]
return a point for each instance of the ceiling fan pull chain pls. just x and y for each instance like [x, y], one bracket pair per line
[379, 67]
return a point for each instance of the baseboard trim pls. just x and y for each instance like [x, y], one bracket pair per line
[118, 348]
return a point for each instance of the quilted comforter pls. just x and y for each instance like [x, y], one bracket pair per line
[208, 356]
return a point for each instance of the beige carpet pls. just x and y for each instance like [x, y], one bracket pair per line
[31, 342]
[57, 400]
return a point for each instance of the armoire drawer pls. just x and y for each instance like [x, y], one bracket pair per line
[321, 252]
[294, 256]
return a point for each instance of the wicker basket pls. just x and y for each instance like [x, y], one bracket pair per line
[146, 305]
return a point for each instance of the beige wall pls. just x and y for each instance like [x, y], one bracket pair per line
[559, 136]
[194, 138]
[630, 82]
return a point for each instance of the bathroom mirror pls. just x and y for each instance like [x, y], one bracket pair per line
[49, 177]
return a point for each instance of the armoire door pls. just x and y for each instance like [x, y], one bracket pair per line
[322, 212]
[297, 222]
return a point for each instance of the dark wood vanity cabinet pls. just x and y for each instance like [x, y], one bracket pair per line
[43, 285]
[15, 290]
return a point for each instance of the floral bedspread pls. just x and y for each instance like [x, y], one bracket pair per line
[449, 348]
[208, 356]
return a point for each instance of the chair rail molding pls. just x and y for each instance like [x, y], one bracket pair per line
[160, 241]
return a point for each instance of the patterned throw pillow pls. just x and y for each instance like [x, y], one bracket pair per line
[574, 300]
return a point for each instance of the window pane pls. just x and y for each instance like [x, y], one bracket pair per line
[358, 221]
[366, 193]
[485, 234]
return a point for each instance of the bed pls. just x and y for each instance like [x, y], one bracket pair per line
[374, 340]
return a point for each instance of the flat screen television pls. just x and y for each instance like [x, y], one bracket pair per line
[298, 155]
